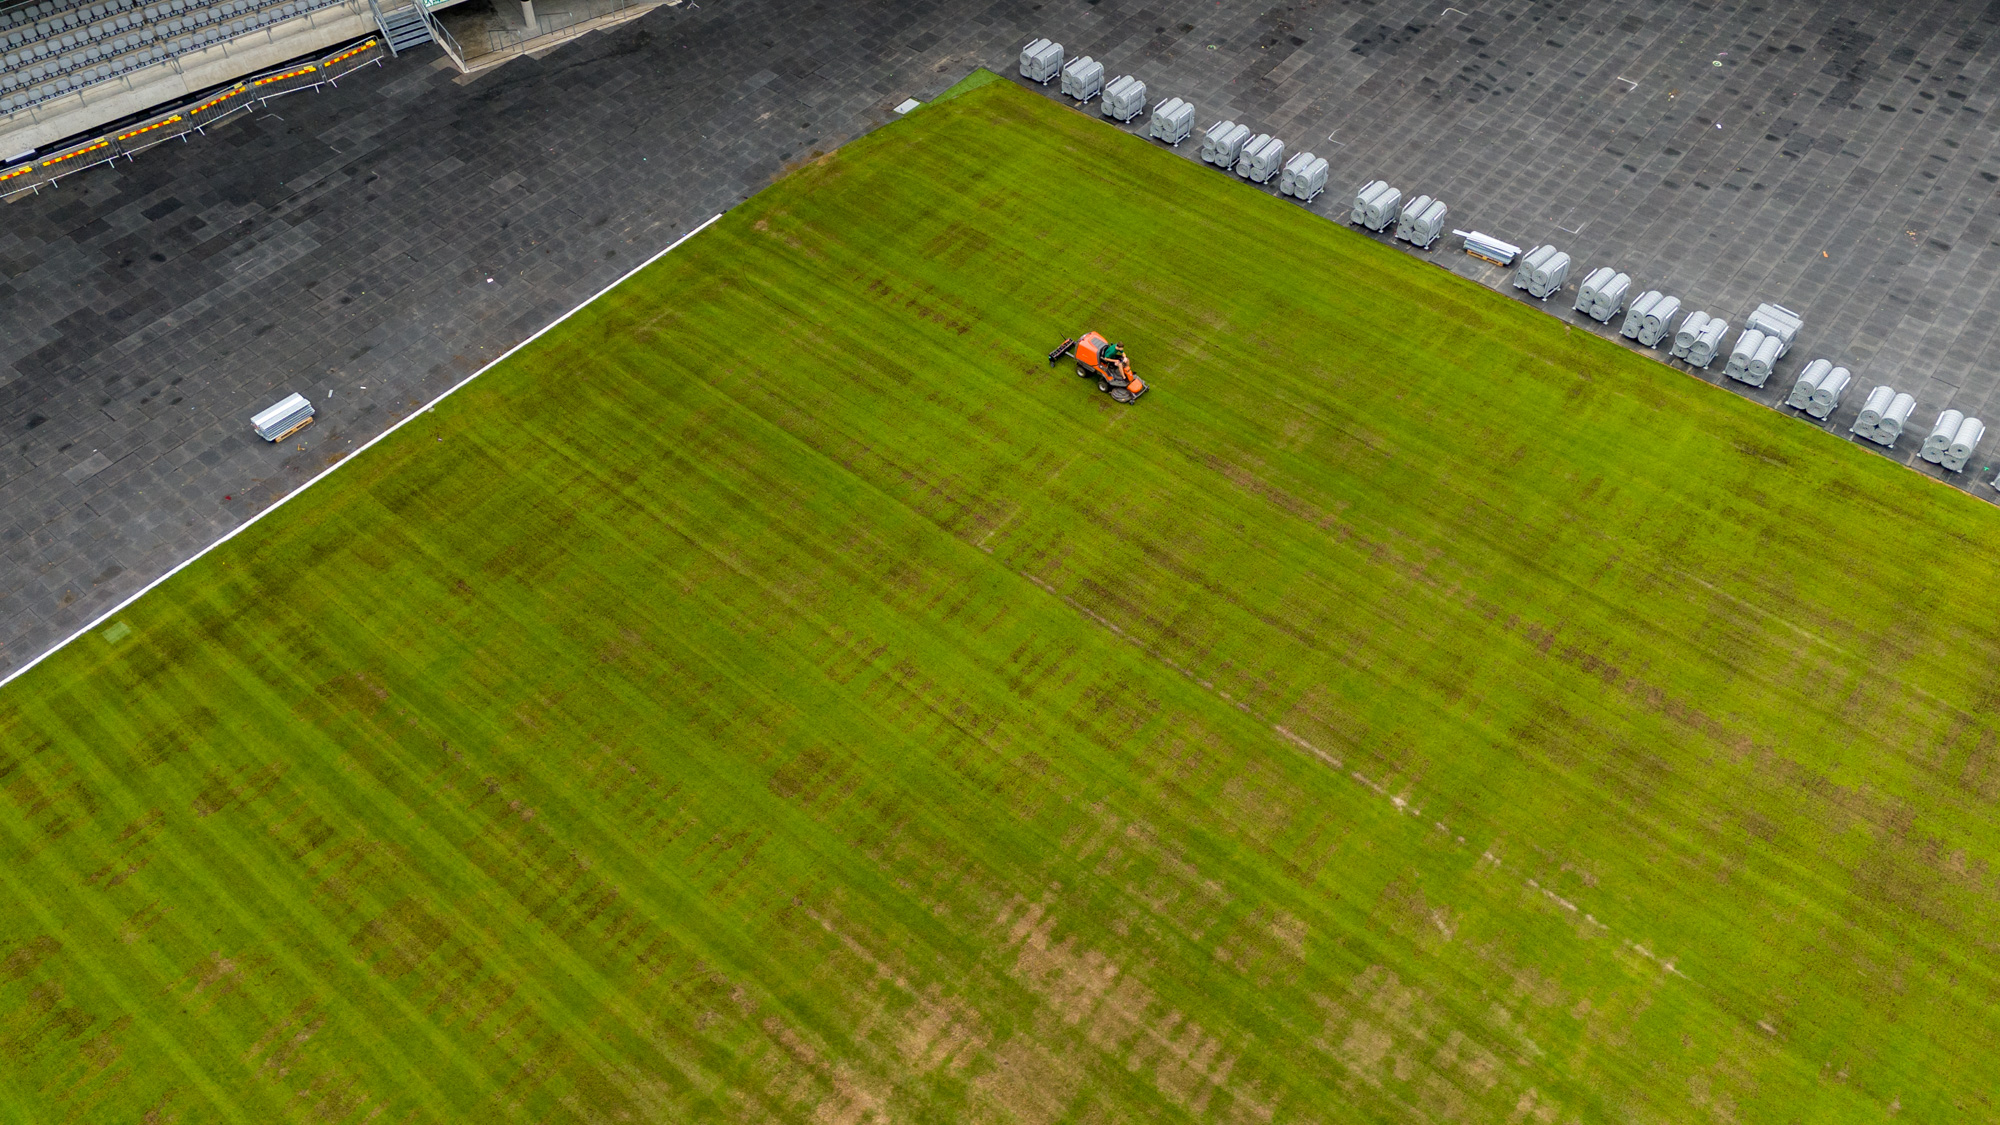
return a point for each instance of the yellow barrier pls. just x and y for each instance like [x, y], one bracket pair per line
[269, 78]
[123, 137]
[74, 153]
[216, 101]
[187, 119]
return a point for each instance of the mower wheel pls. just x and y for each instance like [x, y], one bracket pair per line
[1104, 384]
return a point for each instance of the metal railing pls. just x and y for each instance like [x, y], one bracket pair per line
[554, 26]
[34, 113]
[375, 10]
[189, 117]
[443, 37]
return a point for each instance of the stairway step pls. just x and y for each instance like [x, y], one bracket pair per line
[405, 28]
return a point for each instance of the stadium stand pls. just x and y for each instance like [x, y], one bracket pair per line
[53, 47]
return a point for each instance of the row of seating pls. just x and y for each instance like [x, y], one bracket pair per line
[23, 26]
[50, 67]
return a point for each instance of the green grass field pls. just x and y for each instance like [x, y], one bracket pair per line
[776, 695]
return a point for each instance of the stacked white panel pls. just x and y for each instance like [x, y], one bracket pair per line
[1690, 329]
[1866, 422]
[1377, 205]
[1610, 298]
[1963, 444]
[1586, 293]
[1890, 427]
[1041, 61]
[1173, 121]
[282, 417]
[1707, 342]
[1807, 382]
[1304, 177]
[1124, 99]
[1764, 360]
[1542, 272]
[1421, 222]
[1738, 367]
[1491, 249]
[1659, 321]
[1939, 439]
[1223, 143]
[1083, 78]
[1263, 157]
[1635, 317]
[1778, 321]
[1826, 396]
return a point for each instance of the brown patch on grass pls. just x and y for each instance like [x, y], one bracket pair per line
[1072, 980]
[140, 922]
[217, 968]
[1258, 803]
[940, 1031]
[1029, 1083]
[27, 957]
[1390, 1038]
[160, 1112]
[1121, 1017]
[103, 1049]
[402, 937]
[1268, 946]
[628, 643]
[1418, 919]
[219, 791]
[1190, 1064]
[284, 1039]
[1083, 987]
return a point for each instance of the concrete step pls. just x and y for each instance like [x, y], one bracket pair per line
[405, 28]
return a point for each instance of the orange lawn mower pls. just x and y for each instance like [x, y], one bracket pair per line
[1100, 357]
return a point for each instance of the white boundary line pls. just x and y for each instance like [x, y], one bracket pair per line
[358, 451]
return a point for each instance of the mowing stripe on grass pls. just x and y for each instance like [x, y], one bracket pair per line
[888, 727]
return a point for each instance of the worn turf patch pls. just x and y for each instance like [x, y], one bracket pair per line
[780, 695]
